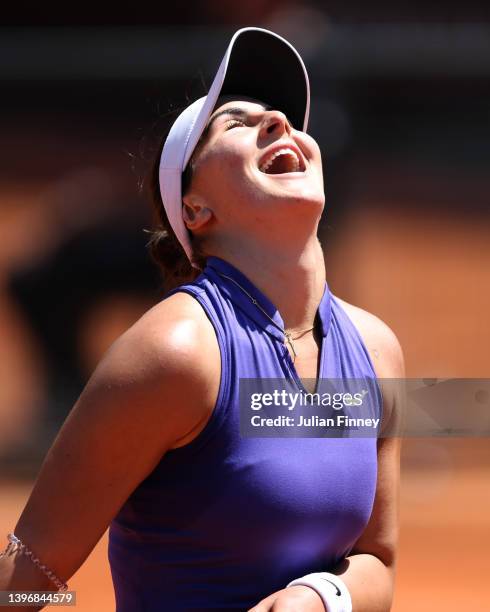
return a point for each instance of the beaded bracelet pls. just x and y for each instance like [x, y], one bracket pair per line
[15, 545]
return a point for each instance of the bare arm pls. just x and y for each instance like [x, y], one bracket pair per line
[129, 414]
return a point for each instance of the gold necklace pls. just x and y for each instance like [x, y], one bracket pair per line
[287, 334]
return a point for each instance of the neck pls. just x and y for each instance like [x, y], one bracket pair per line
[293, 280]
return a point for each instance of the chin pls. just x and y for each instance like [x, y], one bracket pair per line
[306, 191]
[306, 198]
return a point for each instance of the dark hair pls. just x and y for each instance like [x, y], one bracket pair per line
[163, 245]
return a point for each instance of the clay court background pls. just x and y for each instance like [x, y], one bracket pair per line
[400, 110]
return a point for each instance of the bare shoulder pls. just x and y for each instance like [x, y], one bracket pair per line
[381, 341]
[167, 364]
[174, 333]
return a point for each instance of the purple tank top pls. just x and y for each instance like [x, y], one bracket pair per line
[226, 520]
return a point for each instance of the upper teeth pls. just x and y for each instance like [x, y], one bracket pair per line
[268, 162]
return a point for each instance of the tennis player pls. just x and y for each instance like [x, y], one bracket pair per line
[201, 517]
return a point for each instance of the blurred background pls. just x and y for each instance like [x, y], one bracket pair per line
[401, 110]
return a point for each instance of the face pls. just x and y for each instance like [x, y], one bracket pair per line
[251, 167]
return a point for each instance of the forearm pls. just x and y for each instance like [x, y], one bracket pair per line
[369, 580]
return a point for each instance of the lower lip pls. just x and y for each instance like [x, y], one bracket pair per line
[288, 175]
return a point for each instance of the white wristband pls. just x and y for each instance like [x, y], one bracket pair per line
[332, 590]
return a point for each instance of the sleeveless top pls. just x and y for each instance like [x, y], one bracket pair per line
[226, 520]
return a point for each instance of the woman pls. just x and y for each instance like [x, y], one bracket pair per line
[202, 517]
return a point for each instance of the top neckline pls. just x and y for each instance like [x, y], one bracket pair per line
[215, 267]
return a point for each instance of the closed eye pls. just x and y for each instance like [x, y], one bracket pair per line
[233, 123]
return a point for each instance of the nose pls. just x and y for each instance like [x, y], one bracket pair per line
[274, 122]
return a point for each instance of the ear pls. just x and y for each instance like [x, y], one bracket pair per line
[195, 213]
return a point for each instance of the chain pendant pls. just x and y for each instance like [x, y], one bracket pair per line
[290, 342]
[255, 303]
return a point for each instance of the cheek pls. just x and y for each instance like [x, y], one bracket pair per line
[311, 148]
[230, 159]
[316, 160]
[221, 179]
[226, 169]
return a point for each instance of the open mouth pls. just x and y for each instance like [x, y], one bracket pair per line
[282, 161]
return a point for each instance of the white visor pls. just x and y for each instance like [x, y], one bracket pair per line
[258, 64]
